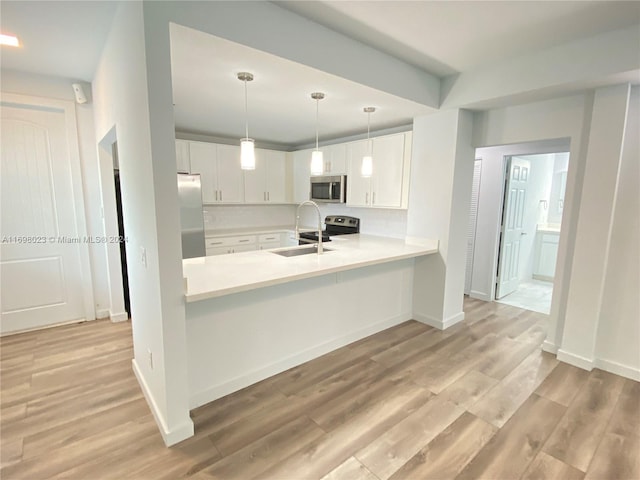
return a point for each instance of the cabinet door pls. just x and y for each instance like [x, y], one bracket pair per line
[388, 169]
[301, 175]
[255, 180]
[182, 156]
[203, 161]
[230, 179]
[338, 159]
[276, 172]
[358, 187]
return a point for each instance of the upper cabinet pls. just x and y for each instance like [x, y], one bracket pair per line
[268, 182]
[219, 169]
[182, 156]
[301, 175]
[388, 186]
[335, 159]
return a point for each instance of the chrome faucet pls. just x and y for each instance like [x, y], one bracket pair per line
[309, 202]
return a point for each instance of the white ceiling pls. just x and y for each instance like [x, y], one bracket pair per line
[59, 38]
[448, 37]
[209, 98]
[65, 38]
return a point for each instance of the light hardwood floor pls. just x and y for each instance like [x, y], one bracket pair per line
[478, 401]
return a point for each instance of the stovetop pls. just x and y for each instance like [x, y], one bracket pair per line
[335, 225]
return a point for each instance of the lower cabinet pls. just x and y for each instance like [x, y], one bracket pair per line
[235, 244]
[546, 255]
[245, 243]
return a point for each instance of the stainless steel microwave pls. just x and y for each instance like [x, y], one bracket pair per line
[329, 189]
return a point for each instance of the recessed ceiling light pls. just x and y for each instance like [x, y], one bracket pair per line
[9, 40]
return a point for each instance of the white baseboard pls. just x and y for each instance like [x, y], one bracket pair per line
[480, 296]
[174, 436]
[217, 391]
[100, 314]
[436, 322]
[549, 347]
[618, 369]
[118, 317]
[575, 360]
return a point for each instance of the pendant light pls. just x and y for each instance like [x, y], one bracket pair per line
[247, 146]
[317, 163]
[366, 169]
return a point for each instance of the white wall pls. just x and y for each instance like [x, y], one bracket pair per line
[619, 329]
[539, 188]
[439, 198]
[592, 244]
[125, 100]
[60, 88]
[594, 124]
[560, 167]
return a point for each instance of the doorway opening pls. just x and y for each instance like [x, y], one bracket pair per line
[530, 232]
[515, 222]
[121, 232]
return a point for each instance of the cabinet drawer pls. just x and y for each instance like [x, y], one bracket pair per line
[269, 237]
[269, 245]
[212, 242]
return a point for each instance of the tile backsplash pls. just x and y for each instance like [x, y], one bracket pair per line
[383, 222]
[244, 216]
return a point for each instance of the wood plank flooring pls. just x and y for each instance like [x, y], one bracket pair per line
[478, 401]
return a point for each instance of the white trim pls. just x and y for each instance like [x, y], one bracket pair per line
[217, 391]
[118, 317]
[103, 313]
[480, 296]
[437, 323]
[549, 347]
[178, 434]
[617, 368]
[44, 327]
[71, 128]
[575, 360]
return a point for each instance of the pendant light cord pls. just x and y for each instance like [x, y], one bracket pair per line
[317, 122]
[368, 129]
[246, 111]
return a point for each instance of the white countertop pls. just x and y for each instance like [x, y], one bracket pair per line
[225, 232]
[548, 228]
[216, 276]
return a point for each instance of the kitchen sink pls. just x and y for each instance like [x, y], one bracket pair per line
[297, 251]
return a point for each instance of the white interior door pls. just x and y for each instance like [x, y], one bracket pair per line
[471, 228]
[512, 226]
[40, 260]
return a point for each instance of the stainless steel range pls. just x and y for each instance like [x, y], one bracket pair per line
[335, 225]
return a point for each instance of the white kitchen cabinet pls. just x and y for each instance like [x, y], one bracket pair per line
[219, 169]
[203, 161]
[388, 185]
[267, 183]
[335, 159]
[182, 156]
[358, 187]
[230, 179]
[546, 255]
[230, 244]
[301, 175]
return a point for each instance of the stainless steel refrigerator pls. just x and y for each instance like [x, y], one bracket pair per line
[191, 218]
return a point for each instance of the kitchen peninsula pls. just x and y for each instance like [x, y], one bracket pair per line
[254, 314]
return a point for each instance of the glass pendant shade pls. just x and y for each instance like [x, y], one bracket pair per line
[367, 166]
[247, 147]
[317, 163]
[247, 154]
